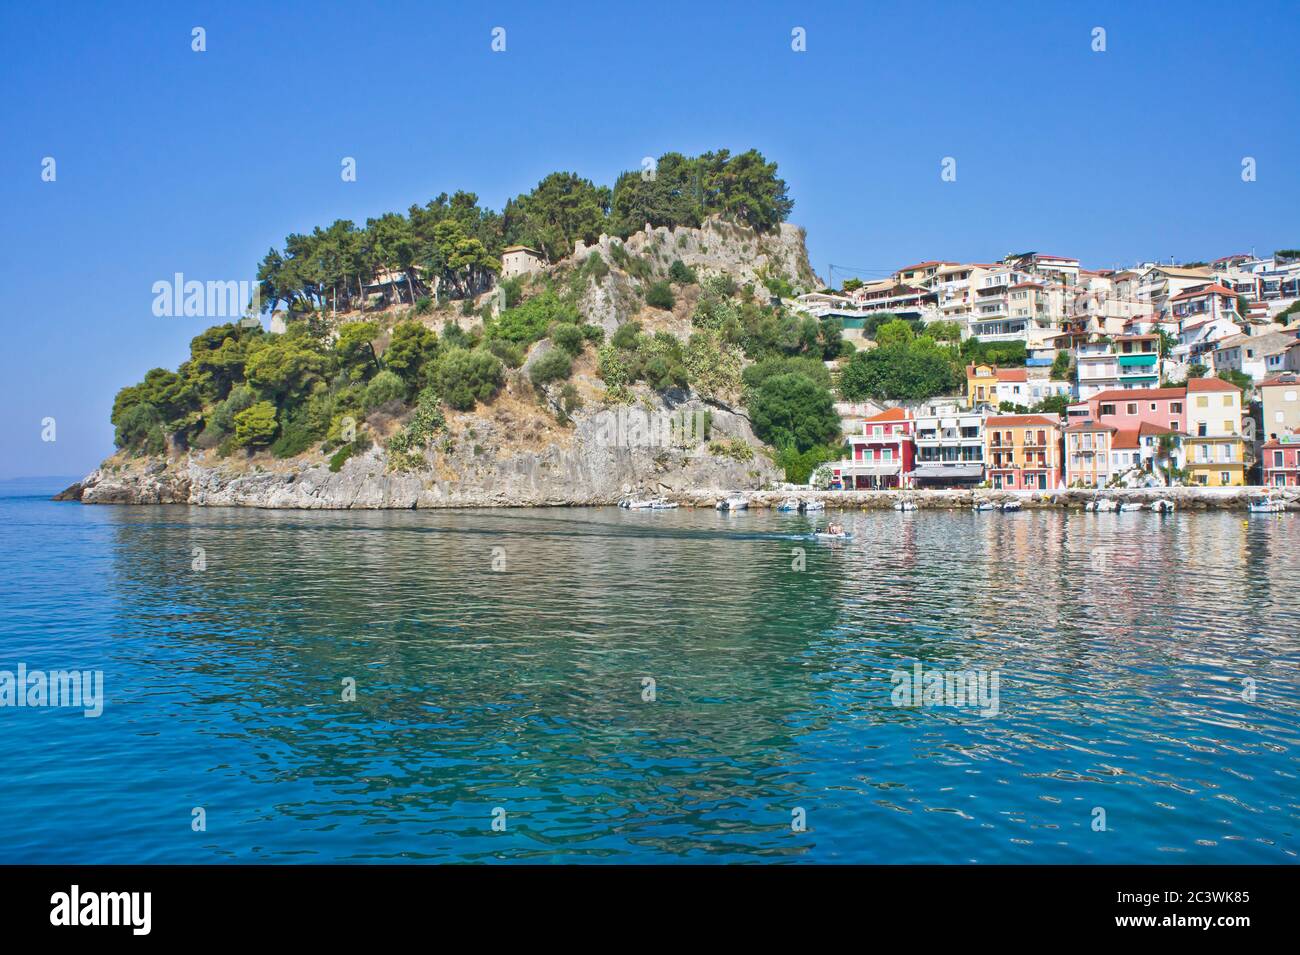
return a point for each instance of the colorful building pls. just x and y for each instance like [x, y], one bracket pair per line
[981, 385]
[881, 456]
[1122, 362]
[1087, 454]
[1281, 460]
[1021, 451]
[1280, 396]
[1128, 408]
[949, 446]
[1215, 448]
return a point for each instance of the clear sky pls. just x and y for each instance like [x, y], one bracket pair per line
[174, 161]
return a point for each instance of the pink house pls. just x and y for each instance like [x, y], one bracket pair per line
[1127, 408]
[1281, 460]
[882, 456]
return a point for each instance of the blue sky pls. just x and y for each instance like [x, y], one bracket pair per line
[174, 161]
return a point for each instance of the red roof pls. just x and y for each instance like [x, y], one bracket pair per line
[1128, 437]
[1210, 384]
[1285, 378]
[1115, 394]
[1019, 420]
[1012, 374]
[1090, 426]
[1207, 290]
[892, 414]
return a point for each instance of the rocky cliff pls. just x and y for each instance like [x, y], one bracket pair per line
[605, 455]
[514, 451]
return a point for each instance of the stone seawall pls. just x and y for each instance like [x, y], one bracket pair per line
[1183, 498]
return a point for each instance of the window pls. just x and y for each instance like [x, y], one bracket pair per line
[1229, 401]
[1225, 477]
[1202, 401]
[1107, 409]
[1173, 426]
[878, 431]
[1228, 427]
[1175, 407]
[1153, 406]
[1201, 429]
[1289, 396]
[1277, 459]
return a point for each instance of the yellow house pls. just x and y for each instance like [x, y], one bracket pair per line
[981, 385]
[1215, 450]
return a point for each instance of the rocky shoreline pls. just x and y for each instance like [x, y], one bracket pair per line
[365, 485]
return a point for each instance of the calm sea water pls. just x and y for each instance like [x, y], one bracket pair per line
[1122, 643]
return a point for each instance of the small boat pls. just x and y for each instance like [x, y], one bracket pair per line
[638, 505]
[1104, 504]
[733, 504]
[1162, 506]
[826, 535]
[790, 504]
[905, 505]
[985, 506]
[807, 507]
[1132, 506]
[659, 504]
[1010, 505]
[1267, 506]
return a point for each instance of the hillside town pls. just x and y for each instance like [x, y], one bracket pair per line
[1155, 375]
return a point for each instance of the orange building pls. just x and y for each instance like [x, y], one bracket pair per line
[1022, 451]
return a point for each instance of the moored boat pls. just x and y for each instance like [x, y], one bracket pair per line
[1010, 505]
[733, 503]
[810, 506]
[790, 504]
[1267, 505]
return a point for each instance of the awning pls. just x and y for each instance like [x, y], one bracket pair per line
[955, 471]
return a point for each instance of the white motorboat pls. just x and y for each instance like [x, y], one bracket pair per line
[1162, 506]
[1104, 504]
[809, 507]
[826, 535]
[985, 506]
[905, 505]
[790, 504]
[1267, 506]
[639, 505]
[734, 503]
[1132, 506]
[1010, 505]
[659, 504]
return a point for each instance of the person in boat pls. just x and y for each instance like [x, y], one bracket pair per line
[834, 527]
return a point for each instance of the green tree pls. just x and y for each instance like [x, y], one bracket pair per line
[791, 410]
[896, 373]
[411, 353]
[255, 425]
[561, 209]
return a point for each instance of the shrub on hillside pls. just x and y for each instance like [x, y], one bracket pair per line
[464, 378]
[555, 365]
[660, 295]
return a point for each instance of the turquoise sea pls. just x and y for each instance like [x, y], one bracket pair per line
[1148, 671]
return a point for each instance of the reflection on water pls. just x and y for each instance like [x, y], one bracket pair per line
[1122, 642]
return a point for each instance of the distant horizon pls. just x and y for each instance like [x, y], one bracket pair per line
[171, 160]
